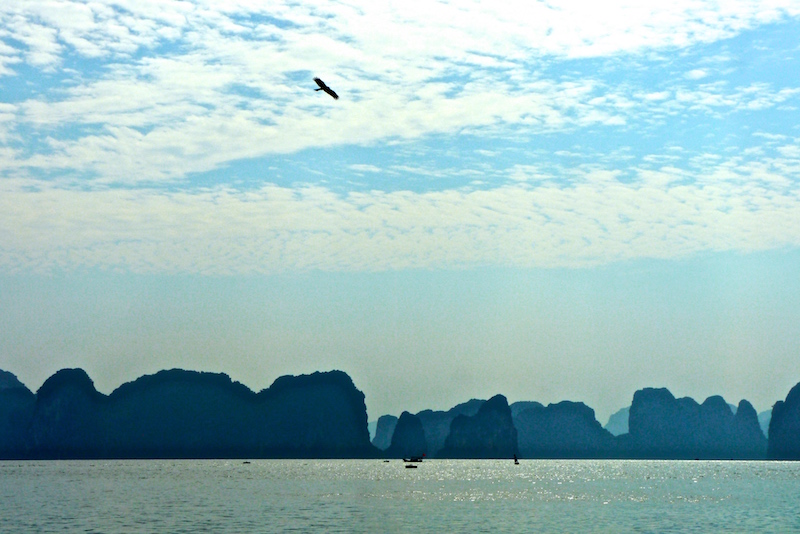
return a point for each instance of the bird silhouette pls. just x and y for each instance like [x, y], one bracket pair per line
[323, 87]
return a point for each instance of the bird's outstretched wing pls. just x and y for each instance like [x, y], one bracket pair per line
[325, 88]
[332, 93]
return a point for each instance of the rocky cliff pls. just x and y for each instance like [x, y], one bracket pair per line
[408, 438]
[563, 430]
[68, 417]
[184, 414]
[17, 404]
[662, 426]
[618, 422]
[490, 433]
[318, 415]
[436, 424]
[748, 440]
[784, 427]
[384, 431]
[763, 421]
[520, 406]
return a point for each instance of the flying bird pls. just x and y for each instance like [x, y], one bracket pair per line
[323, 87]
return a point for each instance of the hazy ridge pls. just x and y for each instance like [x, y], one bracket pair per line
[187, 414]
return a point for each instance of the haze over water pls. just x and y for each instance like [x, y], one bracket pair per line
[375, 496]
[551, 201]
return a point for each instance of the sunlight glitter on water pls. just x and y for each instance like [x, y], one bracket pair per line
[373, 496]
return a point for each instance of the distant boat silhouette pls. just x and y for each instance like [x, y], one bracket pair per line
[516, 460]
[323, 87]
[415, 459]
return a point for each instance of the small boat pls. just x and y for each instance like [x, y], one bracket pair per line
[414, 459]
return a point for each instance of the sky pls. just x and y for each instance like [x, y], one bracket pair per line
[549, 200]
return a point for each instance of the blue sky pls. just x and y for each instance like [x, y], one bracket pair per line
[550, 201]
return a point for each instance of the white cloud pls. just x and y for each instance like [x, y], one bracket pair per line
[403, 71]
[184, 120]
[8, 57]
[790, 151]
[657, 96]
[8, 114]
[365, 167]
[717, 97]
[665, 213]
[380, 37]
[528, 173]
[696, 74]
[158, 90]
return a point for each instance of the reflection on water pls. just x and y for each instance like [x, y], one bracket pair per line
[373, 496]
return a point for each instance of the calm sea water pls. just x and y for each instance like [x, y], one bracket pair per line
[373, 496]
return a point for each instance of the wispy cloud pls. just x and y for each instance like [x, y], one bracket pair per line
[547, 130]
[363, 167]
[667, 212]
[696, 74]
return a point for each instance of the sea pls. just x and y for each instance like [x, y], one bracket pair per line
[237, 496]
